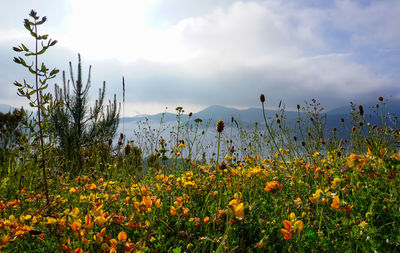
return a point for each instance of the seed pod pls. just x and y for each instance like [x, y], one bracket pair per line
[220, 126]
[380, 98]
[361, 110]
[109, 141]
[262, 98]
[298, 107]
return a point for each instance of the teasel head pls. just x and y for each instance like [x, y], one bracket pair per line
[121, 136]
[360, 110]
[303, 143]
[220, 126]
[298, 107]
[190, 114]
[342, 120]
[295, 138]
[380, 98]
[127, 149]
[262, 98]
[109, 141]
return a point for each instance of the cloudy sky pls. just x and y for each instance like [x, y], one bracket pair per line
[194, 53]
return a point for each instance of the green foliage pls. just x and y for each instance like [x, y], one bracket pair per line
[77, 125]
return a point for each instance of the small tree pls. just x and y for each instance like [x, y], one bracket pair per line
[76, 124]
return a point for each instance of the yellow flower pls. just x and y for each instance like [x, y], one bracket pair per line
[100, 221]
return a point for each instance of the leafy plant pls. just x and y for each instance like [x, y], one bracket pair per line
[36, 94]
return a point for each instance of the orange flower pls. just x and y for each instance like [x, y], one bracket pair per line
[88, 222]
[75, 226]
[335, 203]
[206, 220]
[173, 211]
[272, 186]
[287, 230]
[122, 236]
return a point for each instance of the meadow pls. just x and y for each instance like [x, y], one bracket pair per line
[272, 188]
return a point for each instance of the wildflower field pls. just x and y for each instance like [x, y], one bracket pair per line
[320, 201]
[272, 188]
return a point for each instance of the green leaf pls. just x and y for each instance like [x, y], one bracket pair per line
[54, 72]
[34, 34]
[29, 54]
[16, 49]
[16, 60]
[24, 47]
[42, 51]
[17, 84]
[53, 43]
[177, 250]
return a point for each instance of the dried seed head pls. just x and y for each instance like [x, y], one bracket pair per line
[121, 136]
[262, 98]
[353, 129]
[127, 149]
[190, 114]
[360, 123]
[303, 143]
[220, 126]
[311, 119]
[380, 98]
[222, 166]
[342, 120]
[361, 110]
[109, 141]
[21, 148]
[295, 138]
[377, 105]
[119, 143]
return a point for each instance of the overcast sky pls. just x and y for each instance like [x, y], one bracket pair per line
[195, 53]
